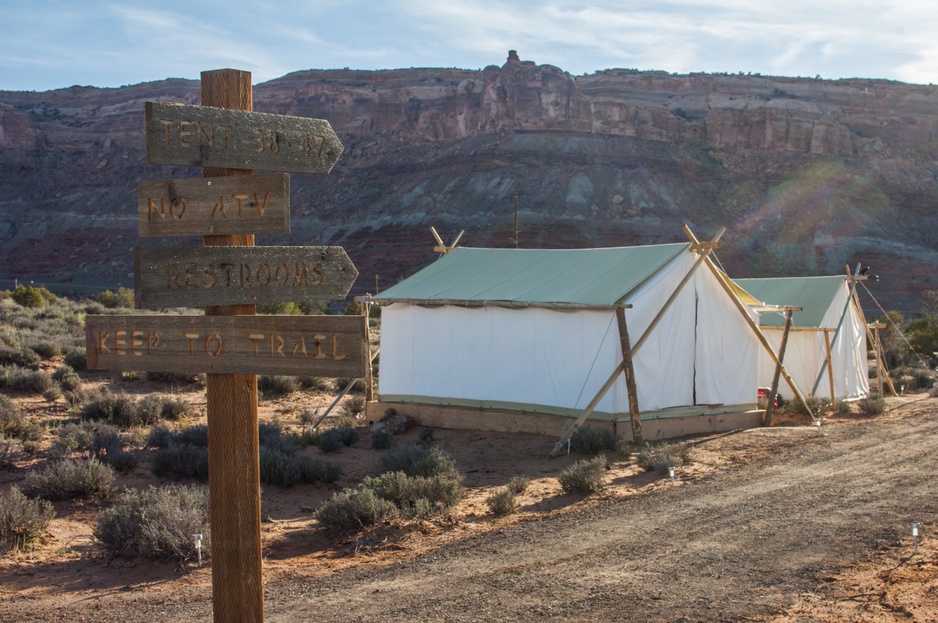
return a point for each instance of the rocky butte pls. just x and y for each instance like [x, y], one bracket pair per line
[807, 174]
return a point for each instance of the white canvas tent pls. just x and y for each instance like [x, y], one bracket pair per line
[534, 331]
[830, 320]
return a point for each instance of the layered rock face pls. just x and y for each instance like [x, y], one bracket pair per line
[808, 175]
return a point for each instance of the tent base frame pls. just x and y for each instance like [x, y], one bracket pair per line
[656, 425]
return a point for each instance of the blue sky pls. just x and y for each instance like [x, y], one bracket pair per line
[49, 44]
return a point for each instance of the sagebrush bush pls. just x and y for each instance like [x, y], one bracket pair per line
[77, 358]
[360, 508]
[67, 378]
[661, 458]
[25, 380]
[69, 479]
[417, 495]
[308, 416]
[277, 386]
[158, 522]
[353, 405]
[116, 409]
[278, 468]
[21, 357]
[584, 477]
[181, 461]
[518, 484]
[335, 439]
[318, 471]
[80, 437]
[874, 404]
[316, 383]
[23, 521]
[358, 385]
[9, 448]
[416, 461]
[15, 424]
[587, 440]
[502, 502]
[382, 440]
[176, 378]
[796, 407]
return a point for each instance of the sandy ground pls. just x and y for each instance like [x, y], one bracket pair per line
[780, 524]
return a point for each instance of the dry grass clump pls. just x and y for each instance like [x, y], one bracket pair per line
[662, 458]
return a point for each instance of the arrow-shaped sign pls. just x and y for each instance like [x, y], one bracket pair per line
[202, 136]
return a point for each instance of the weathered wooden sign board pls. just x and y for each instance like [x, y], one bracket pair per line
[204, 276]
[330, 346]
[235, 139]
[206, 206]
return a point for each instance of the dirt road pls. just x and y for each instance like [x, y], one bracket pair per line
[741, 545]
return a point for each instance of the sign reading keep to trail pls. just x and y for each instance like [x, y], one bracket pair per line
[331, 346]
[215, 206]
[206, 276]
[203, 136]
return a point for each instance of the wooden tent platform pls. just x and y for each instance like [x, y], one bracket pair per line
[656, 425]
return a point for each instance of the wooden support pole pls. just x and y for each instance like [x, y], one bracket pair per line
[773, 392]
[234, 470]
[368, 380]
[629, 377]
[830, 362]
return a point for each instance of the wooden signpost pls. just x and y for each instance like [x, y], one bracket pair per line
[217, 137]
[256, 204]
[228, 276]
[200, 276]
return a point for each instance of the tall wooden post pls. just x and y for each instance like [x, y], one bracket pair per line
[773, 391]
[634, 415]
[234, 471]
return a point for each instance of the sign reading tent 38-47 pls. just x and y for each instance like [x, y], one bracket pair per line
[235, 139]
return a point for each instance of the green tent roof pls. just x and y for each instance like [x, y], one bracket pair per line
[535, 276]
[814, 294]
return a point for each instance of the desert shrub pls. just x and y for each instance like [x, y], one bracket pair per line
[874, 404]
[584, 477]
[23, 521]
[316, 383]
[518, 484]
[195, 435]
[334, 439]
[318, 471]
[358, 385]
[124, 297]
[28, 296]
[277, 386]
[112, 408]
[382, 439]
[278, 468]
[181, 461]
[306, 438]
[502, 502]
[9, 448]
[47, 349]
[156, 523]
[796, 407]
[353, 405]
[13, 423]
[587, 440]
[109, 448]
[69, 479]
[841, 407]
[79, 437]
[359, 508]
[416, 461]
[176, 378]
[308, 416]
[661, 458]
[25, 380]
[77, 358]
[67, 378]
[175, 409]
[22, 357]
[418, 495]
